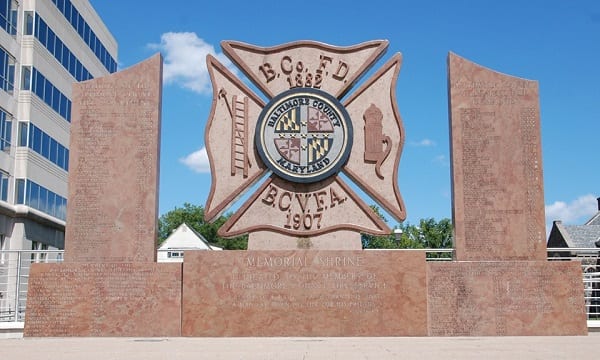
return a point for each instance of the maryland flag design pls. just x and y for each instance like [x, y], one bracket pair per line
[289, 122]
[317, 149]
[289, 149]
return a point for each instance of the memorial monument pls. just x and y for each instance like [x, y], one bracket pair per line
[110, 283]
[500, 283]
[304, 265]
[305, 273]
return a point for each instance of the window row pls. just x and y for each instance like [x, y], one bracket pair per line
[86, 33]
[5, 130]
[56, 47]
[8, 16]
[33, 80]
[40, 142]
[3, 186]
[38, 197]
[7, 71]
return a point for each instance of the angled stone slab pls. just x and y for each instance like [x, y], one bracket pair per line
[304, 64]
[378, 138]
[497, 183]
[304, 210]
[512, 298]
[104, 299]
[304, 293]
[229, 139]
[114, 165]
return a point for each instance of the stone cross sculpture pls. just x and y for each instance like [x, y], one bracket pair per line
[304, 136]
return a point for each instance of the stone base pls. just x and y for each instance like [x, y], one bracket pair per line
[492, 298]
[304, 293]
[337, 240]
[104, 299]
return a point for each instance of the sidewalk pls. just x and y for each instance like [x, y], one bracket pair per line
[421, 348]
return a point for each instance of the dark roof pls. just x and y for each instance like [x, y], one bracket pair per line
[581, 236]
[574, 236]
[595, 220]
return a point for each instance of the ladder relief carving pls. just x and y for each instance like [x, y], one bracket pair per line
[238, 112]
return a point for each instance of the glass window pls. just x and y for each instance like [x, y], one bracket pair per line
[93, 39]
[11, 75]
[60, 156]
[42, 31]
[20, 189]
[28, 25]
[53, 151]
[14, 7]
[45, 145]
[40, 84]
[51, 205]
[86, 33]
[34, 80]
[8, 16]
[72, 64]
[6, 135]
[50, 42]
[23, 126]
[65, 57]
[43, 199]
[26, 78]
[4, 187]
[56, 100]
[58, 49]
[67, 11]
[34, 195]
[63, 208]
[80, 25]
[37, 139]
[63, 106]
[48, 87]
[78, 72]
[3, 60]
[5, 130]
[67, 159]
[68, 110]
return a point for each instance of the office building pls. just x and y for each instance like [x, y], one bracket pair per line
[45, 46]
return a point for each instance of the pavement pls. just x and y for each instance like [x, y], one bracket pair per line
[421, 348]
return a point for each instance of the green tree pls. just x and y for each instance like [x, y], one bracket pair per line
[429, 234]
[193, 216]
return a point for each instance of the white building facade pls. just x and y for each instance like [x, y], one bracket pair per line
[45, 46]
[181, 239]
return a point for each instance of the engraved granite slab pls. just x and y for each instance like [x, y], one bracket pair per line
[304, 293]
[114, 162]
[498, 196]
[110, 299]
[492, 298]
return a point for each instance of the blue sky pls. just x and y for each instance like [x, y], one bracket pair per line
[556, 42]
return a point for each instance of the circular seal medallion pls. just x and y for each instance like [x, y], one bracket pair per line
[304, 135]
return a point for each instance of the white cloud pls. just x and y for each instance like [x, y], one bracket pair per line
[577, 211]
[441, 160]
[424, 143]
[197, 161]
[185, 60]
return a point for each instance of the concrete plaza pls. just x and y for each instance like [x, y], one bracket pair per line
[421, 348]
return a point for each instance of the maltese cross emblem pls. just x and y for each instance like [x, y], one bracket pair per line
[305, 139]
